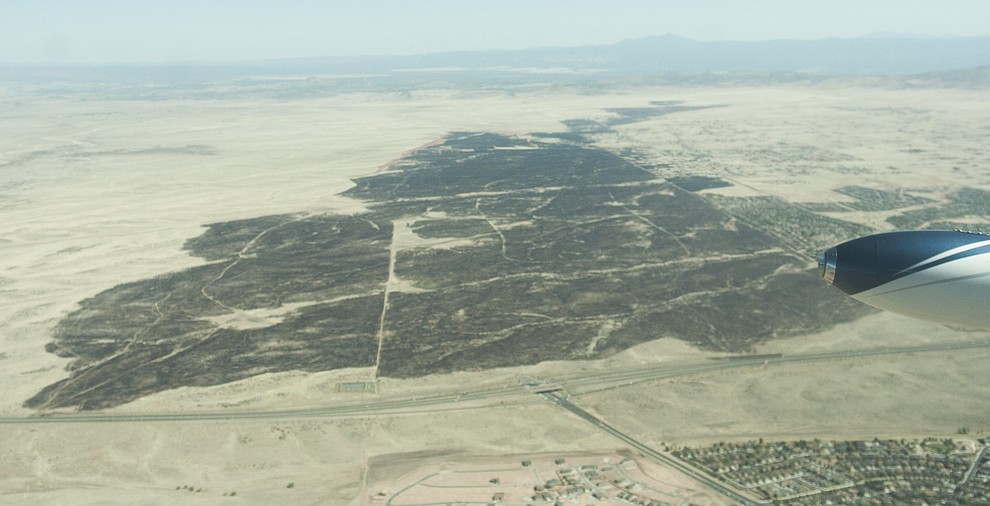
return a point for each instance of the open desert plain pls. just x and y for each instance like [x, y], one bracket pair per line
[294, 291]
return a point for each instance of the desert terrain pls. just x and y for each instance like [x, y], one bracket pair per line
[96, 192]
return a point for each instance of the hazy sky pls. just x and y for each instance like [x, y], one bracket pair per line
[127, 31]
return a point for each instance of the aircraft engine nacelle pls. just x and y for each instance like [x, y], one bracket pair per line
[938, 275]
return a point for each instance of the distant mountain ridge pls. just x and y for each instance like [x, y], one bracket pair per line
[897, 60]
[673, 55]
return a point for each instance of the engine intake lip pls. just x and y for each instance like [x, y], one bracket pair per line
[826, 265]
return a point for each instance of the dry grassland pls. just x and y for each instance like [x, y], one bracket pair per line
[101, 192]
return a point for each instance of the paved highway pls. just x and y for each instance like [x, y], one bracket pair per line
[376, 407]
[647, 451]
[514, 395]
[575, 385]
[596, 382]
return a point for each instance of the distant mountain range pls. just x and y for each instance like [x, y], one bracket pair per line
[889, 54]
[956, 61]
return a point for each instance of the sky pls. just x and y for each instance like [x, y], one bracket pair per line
[158, 31]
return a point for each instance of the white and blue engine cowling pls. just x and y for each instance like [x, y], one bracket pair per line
[938, 275]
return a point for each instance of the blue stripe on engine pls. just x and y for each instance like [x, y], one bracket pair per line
[928, 265]
[936, 282]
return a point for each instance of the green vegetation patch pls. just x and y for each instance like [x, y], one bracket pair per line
[698, 183]
[526, 251]
[800, 230]
[870, 199]
[961, 204]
